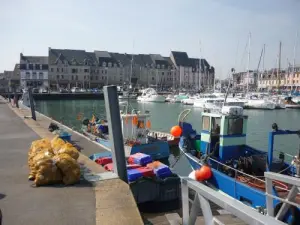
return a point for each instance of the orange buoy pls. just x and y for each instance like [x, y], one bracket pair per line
[148, 124]
[176, 131]
[204, 173]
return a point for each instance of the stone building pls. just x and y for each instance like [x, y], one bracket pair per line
[188, 72]
[33, 71]
[242, 79]
[69, 68]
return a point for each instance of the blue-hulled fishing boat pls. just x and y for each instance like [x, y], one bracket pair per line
[237, 168]
[135, 128]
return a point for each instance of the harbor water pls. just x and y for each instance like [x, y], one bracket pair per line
[165, 115]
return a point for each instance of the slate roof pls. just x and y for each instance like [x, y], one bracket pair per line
[70, 55]
[181, 58]
[34, 59]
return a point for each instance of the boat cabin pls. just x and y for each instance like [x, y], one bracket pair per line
[135, 126]
[224, 134]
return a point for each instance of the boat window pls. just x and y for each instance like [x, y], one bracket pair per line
[205, 123]
[235, 126]
[216, 123]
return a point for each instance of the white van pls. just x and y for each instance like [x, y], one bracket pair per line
[75, 90]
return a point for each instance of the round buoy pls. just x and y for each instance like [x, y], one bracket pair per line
[176, 131]
[204, 173]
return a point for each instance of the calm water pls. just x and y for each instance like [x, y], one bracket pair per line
[165, 115]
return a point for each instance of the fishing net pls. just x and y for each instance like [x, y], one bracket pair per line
[56, 144]
[70, 150]
[52, 162]
[69, 167]
[47, 173]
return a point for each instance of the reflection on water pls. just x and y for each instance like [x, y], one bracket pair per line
[165, 115]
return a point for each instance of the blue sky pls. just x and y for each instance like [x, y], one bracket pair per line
[156, 26]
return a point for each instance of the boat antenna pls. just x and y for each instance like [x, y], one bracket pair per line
[229, 85]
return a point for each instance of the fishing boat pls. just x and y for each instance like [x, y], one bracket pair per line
[135, 129]
[237, 169]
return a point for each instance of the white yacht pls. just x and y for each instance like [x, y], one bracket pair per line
[150, 95]
[253, 102]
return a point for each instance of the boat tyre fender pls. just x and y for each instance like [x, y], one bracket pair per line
[187, 144]
[292, 215]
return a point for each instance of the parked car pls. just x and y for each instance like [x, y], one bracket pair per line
[75, 90]
[35, 90]
[43, 90]
[62, 90]
[82, 90]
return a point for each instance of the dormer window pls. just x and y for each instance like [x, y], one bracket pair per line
[104, 64]
[109, 64]
[158, 66]
[163, 66]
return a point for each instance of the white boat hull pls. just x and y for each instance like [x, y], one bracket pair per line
[152, 98]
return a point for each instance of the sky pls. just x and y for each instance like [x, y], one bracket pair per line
[216, 30]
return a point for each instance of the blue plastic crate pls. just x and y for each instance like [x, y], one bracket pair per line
[66, 137]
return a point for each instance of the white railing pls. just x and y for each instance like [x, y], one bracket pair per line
[204, 193]
[294, 182]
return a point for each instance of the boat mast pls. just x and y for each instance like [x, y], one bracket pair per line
[249, 45]
[294, 59]
[199, 77]
[278, 69]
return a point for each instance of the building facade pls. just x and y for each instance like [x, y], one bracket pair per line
[242, 80]
[70, 68]
[33, 71]
[188, 73]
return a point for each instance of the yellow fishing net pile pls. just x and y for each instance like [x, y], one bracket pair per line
[52, 162]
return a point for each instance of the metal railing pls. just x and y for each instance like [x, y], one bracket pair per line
[200, 201]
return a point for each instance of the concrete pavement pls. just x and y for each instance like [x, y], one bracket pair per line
[108, 202]
[22, 204]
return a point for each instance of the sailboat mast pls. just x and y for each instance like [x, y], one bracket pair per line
[199, 78]
[248, 63]
[278, 69]
[295, 49]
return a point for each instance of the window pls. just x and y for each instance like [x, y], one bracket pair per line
[72, 77]
[52, 69]
[30, 66]
[102, 71]
[27, 75]
[105, 71]
[216, 123]
[41, 76]
[96, 77]
[57, 77]
[205, 123]
[62, 77]
[57, 69]
[235, 126]
[152, 78]
[84, 77]
[62, 69]
[76, 77]
[162, 73]
[74, 70]
[91, 77]
[86, 70]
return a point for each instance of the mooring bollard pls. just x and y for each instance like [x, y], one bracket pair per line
[115, 131]
[31, 104]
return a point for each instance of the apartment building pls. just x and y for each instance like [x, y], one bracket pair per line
[243, 79]
[79, 68]
[190, 74]
[33, 71]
